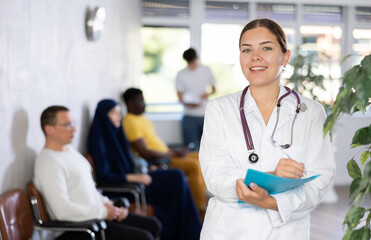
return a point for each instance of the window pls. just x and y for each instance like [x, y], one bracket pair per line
[277, 12]
[362, 44]
[323, 44]
[226, 10]
[165, 8]
[322, 14]
[215, 26]
[363, 15]
[220, 52]
[162, 59]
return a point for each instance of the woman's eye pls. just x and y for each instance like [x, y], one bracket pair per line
[267, 48]
[246, 50]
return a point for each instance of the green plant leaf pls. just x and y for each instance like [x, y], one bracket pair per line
[345, 58]
[366, 64]
[354, 215]
[353, 170]
[367, 171]
[347, 235]
[361, 234]
[362, 87]
[368, 217]
[362, 136]
[355, 145]
[360, 190]
[364, 156]
[353, 186]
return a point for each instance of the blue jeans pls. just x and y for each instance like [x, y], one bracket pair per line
[192, 128]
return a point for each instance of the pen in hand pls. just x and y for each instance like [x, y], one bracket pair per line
[288, 156]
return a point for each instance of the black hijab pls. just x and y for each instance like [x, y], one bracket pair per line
[109, 146]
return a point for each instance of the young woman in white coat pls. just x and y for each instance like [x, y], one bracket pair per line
[282, 135]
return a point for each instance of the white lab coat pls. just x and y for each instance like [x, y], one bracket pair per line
[224, 159]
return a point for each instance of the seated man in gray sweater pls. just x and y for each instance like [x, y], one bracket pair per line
[63, 176]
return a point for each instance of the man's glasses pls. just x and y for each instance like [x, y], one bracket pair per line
[68, 125]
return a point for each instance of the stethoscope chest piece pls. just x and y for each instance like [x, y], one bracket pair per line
[253, 157]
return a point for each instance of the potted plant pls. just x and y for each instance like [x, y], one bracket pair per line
[355, 96]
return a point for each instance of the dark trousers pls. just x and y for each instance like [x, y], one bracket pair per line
[192, 128]
[134, 227]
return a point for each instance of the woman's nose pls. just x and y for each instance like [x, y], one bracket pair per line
[255, 56]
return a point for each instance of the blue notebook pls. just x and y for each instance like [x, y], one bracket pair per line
[272, 183]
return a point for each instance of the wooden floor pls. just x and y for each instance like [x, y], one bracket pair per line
[327, 219]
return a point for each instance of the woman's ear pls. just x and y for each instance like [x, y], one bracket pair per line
[286, 57]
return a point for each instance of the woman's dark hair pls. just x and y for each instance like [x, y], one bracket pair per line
[189, 55]
[130, 93]
[49, 116]
[272, 26]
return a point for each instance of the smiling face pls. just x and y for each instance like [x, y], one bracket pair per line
[261, 57]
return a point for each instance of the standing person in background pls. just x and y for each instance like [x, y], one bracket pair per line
[192, 85]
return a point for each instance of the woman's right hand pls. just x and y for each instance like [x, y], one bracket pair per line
[289, 168]
[139, 178]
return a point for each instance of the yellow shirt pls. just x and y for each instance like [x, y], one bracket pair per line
[137, 127]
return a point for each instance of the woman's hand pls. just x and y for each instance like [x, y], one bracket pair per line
[115, 213]
[139, 178]
[112, 211]
[289, 168]
[255, 195]
[123, 214]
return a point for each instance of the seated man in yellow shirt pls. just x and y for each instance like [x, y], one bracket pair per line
[144, 140]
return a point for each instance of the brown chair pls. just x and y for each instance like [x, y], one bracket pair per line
[136, 189]
[43, 222]
[15, 216]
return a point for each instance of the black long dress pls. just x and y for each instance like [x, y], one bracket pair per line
[169, 192]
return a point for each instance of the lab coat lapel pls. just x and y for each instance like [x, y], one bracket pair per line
[250, 105]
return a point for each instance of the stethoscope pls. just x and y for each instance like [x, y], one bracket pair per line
[253, 157]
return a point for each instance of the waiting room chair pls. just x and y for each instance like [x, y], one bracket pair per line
[15, 216]
[136, 189]
[43, 222]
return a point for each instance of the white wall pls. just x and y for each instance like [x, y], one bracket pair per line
[45, 59]
[344, 131]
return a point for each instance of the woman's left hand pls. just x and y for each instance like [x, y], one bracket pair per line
[255, 195]
[123, 214]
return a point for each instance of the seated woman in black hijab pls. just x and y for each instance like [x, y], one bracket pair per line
[167, 191]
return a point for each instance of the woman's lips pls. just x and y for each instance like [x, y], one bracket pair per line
[255, 69]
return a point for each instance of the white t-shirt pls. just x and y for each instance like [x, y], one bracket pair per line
[194, 83]
[65, 181]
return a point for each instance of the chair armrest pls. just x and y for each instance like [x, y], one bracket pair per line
[121, 202]
[93, 225]
[133, 186]
[137, 189]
